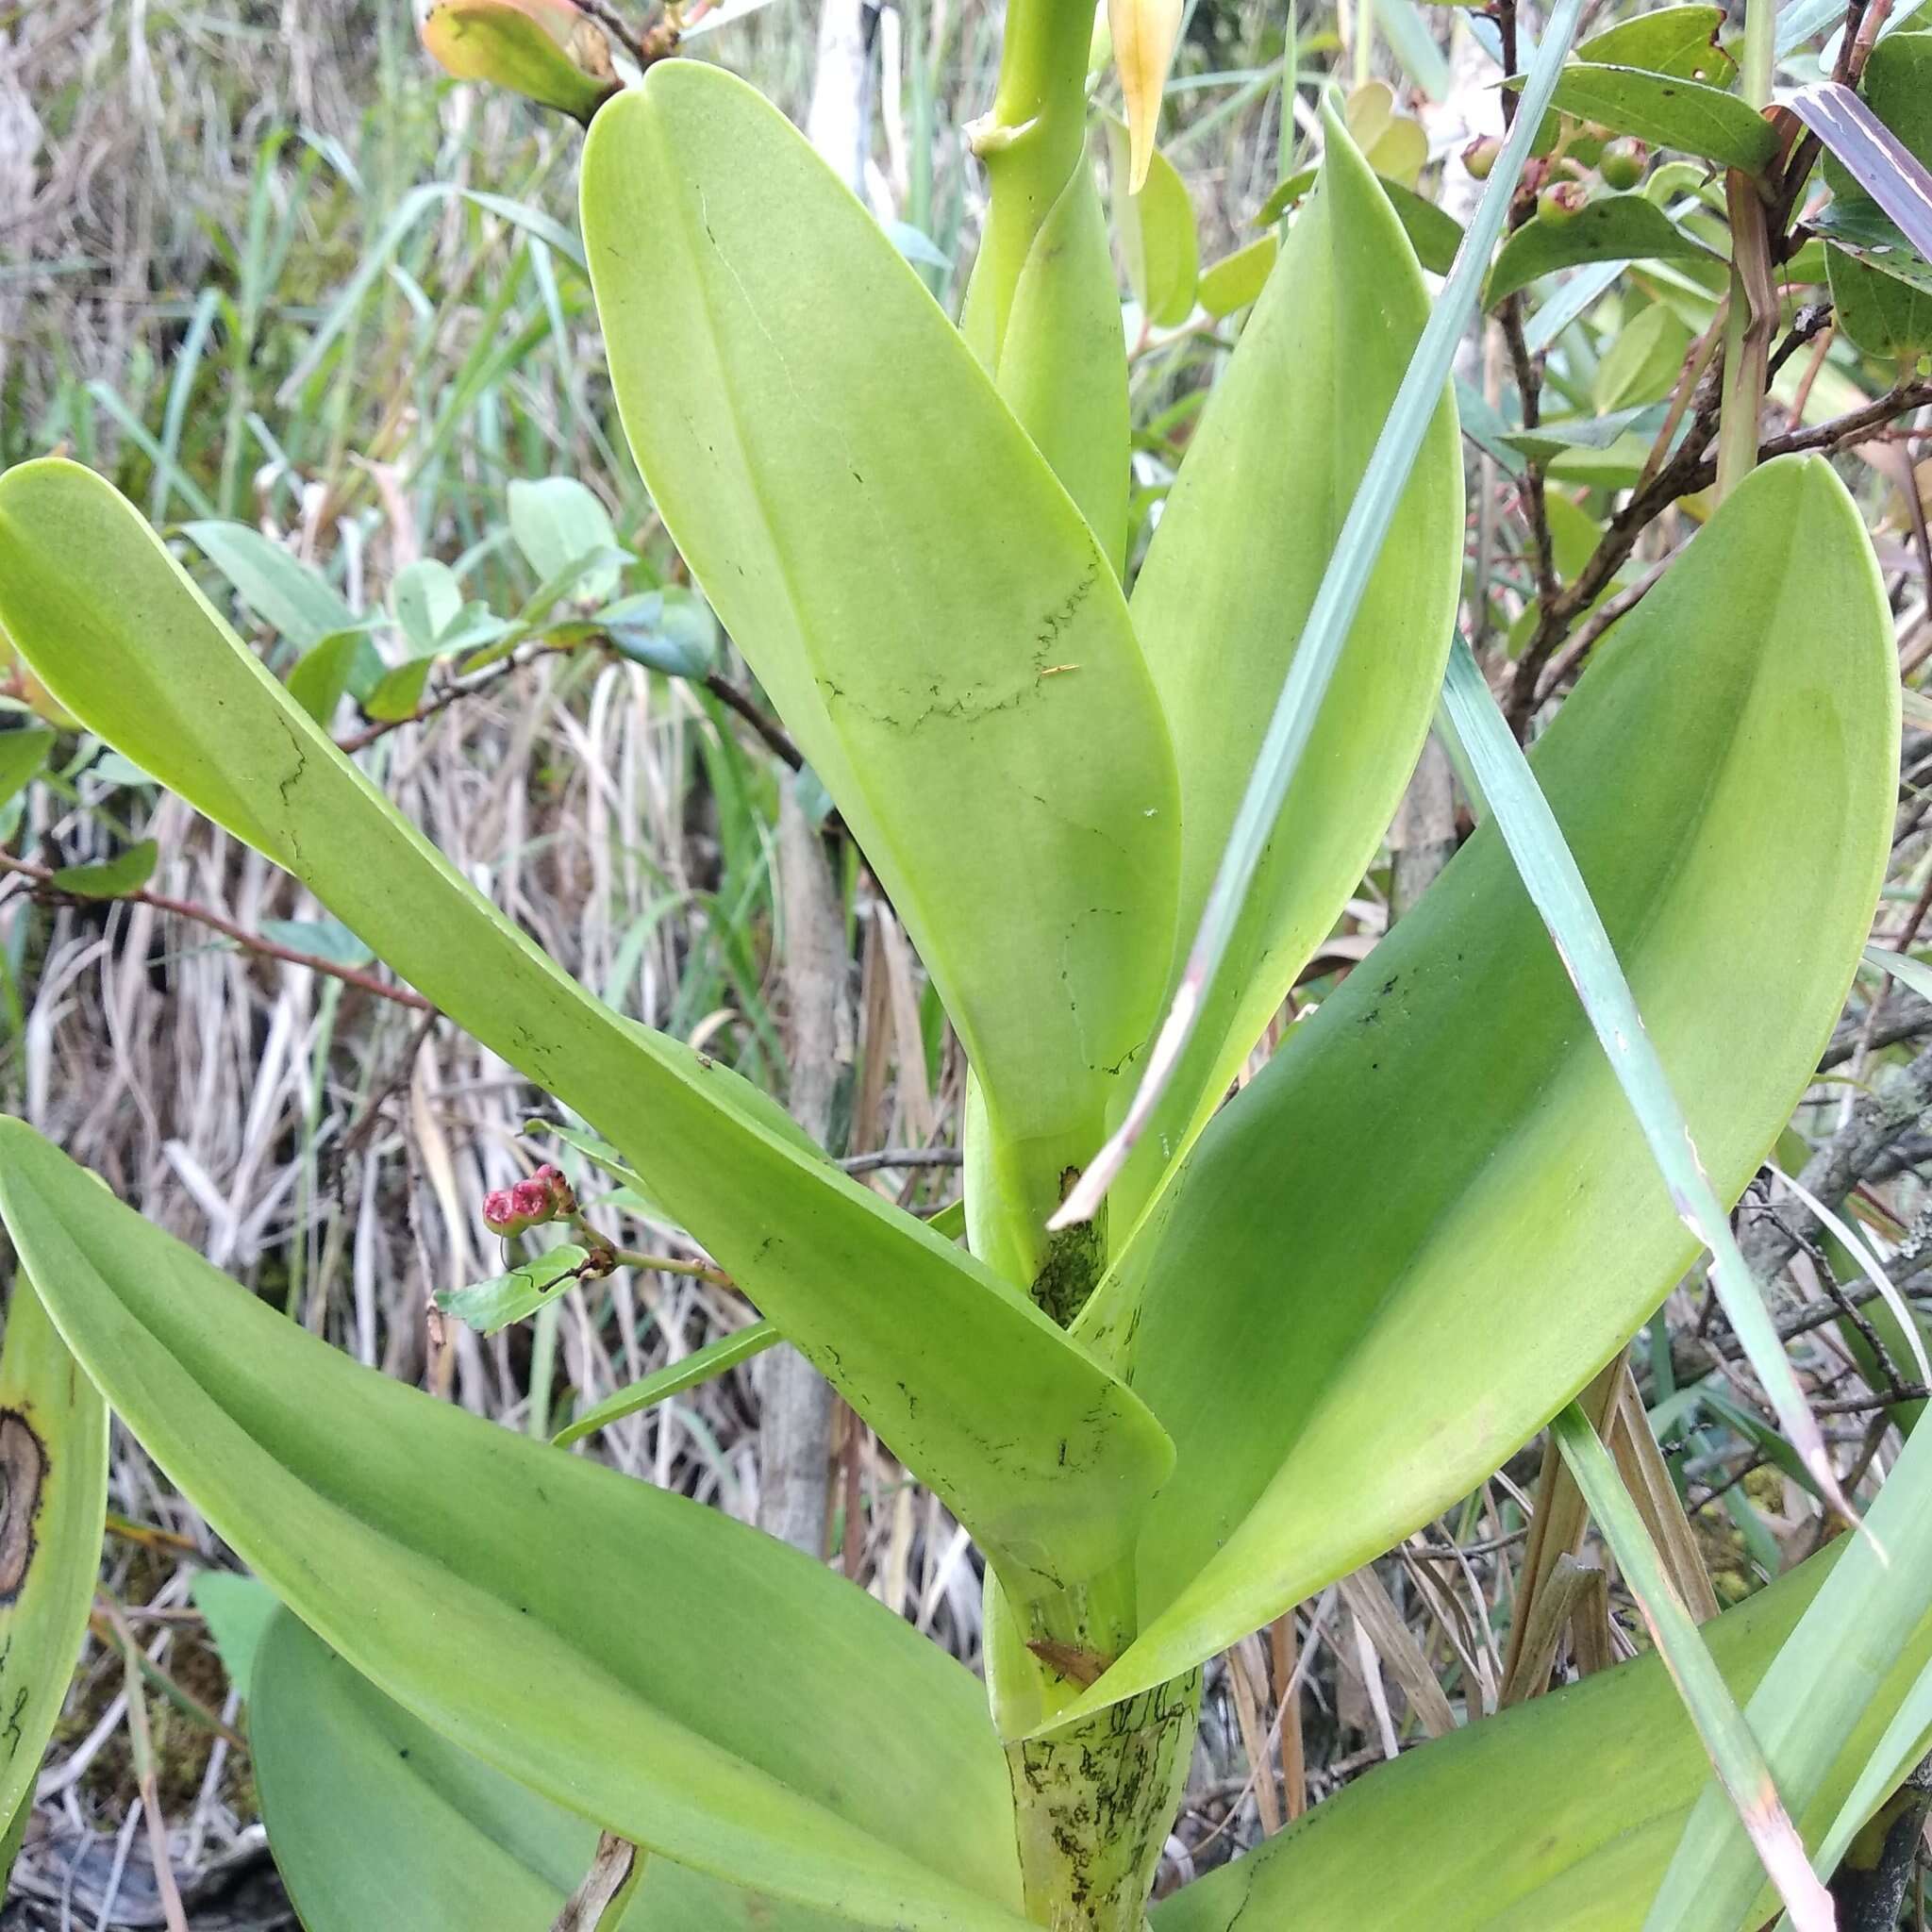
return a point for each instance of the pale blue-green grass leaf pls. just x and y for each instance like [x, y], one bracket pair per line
[1750, 1794]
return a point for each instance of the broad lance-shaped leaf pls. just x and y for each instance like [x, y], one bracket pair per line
[1614, 228]
[1035, 1447]
[53, 1501]
[1442, 1151]
[642, 1660]
[1561, 1812]
[1671, 112]
[373, 1816]
[1680, 41]
[1227, 586]
[931, 615]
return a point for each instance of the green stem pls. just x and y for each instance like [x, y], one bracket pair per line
[1030, 144]
[1092, 1805]
[1761, 49]
[1753, 294]
[1748, 326]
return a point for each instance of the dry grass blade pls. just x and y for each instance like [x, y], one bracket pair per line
[1876, 158]
[1640, 1466]
[1561, 1604]
[1367, 1599]
[606, 1887]
[1555, 1533]
[146, 1773]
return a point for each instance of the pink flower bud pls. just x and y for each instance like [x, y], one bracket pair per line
[531, 1200]
[500, 1213]
[563, 1201]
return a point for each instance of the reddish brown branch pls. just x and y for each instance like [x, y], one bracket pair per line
[42, 879]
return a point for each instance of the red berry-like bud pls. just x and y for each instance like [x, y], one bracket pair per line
[500, 1213]
[531, 1200]
[1480, 157]
[1561, 203]
[563, 1201]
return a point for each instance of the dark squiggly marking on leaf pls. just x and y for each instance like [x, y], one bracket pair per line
[23, 1477]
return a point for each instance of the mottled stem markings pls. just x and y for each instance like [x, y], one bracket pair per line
[1094, 1803]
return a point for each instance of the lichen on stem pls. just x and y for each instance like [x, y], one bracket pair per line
[1093, 1803]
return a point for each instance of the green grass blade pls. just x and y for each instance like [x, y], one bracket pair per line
[137, 432]
[700, 1366]
[1873, 1270]
[1823, 1681]
[1903, 967]
[180, 389]
[1734, 1751]
[1890, 1759]
[1344, 584]
[1551, 878]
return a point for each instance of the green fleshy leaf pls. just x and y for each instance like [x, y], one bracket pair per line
[53, 1506]
[903, 1324]
[1442, 1150]
[1063, 363]
[1226, 589]
[650, 1664]
[1558, 1812]
[991, 734]
[375, 1820]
